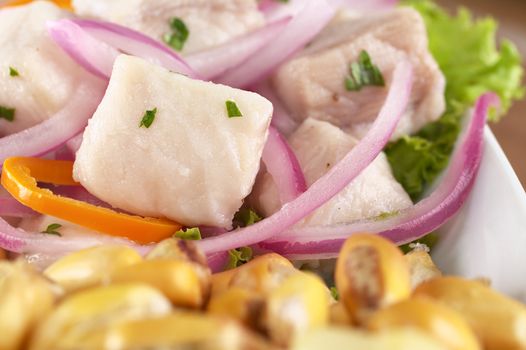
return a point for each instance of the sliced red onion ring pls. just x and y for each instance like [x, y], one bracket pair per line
[335, 180]
[137, 44]
[281, 119]
[217, 261]
[412, 223]
[303, 27]
[52, 133]
[364, 5]
[283, 166]
[19, 241]
[74, 143]
[95, 56]
[215, 61]
[12, 208]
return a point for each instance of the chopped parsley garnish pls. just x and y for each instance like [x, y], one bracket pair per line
[430, 240]
[386, 215]
[335, 294]
[7, 113]
[191, 234]
[52, 230]
[238, 257]
[13, 72]
[246, 217]
[177, 38]
[363, 73]
[233, 109]
[148, 118]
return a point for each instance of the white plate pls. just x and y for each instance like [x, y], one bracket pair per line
[488, 236]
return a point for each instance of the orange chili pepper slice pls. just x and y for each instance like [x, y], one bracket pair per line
[65, 4]
[20, 176]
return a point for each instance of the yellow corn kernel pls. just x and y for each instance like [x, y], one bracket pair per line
[25, 299]
[498, 321]
[371, 273]
[421, 267]
[239, 304]
[178, 249]
[338, 315]
[430, 317]
[74, 322]
[90, 267]
[262, 267]
[339, 338]
[300, 303]
[182, 331]
[178, 280]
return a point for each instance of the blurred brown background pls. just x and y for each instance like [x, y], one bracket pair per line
[510, 131]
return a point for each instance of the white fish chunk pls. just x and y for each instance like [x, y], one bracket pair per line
[312, 84]
[194, 164]
[47, 77]
[319, 146]
[210, 22]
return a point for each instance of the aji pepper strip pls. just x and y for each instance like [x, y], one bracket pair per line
[20, 176]
[65, 4]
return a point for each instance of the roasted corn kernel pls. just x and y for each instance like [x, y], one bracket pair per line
[25, 299]
[179, 280]
[498, 321]
[435, 319]
[339, 315]
[72, 324]
[371, 273]
[178, 249]
[300, 303]
[421, 267]
[240, 304]
[2, 254]
[263, 273]
[182, 331]
[337, 338]
[90, 267]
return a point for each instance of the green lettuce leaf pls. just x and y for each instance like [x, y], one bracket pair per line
[467, 53]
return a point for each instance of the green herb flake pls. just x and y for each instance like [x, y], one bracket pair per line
[363, 73]
[238, 257]
[177, 38]
[190, 234]
[386, 215]
[430, 240]
[7, 113]
[246, 217]
[335, 294]
[13, 72]
[232, 109]
[52, 230]
[148, 118]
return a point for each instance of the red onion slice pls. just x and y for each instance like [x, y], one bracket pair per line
[412, 223]
[364, 5]
[303, 27]
[19, 241]
[217, 261]
[283, 166]
[58, 129]
[93, 55]
[12, 208]
[217, 60]
[335, 180]
[137, 44]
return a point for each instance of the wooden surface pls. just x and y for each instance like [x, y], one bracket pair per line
[510, 131]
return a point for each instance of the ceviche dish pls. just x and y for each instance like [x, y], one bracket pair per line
[243, 174]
